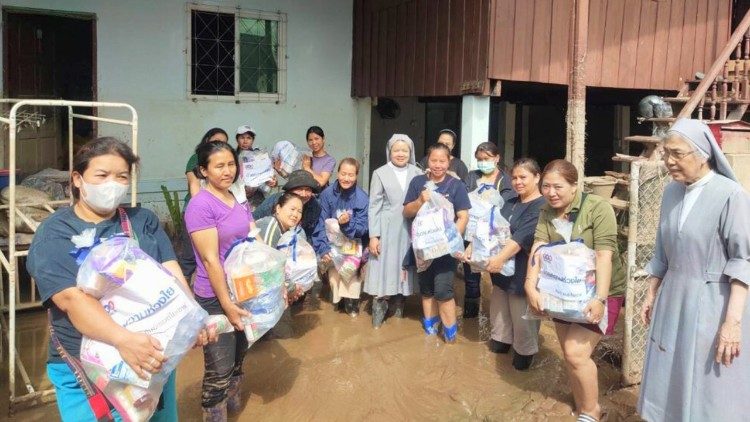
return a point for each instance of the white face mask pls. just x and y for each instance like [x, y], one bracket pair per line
[104, 197]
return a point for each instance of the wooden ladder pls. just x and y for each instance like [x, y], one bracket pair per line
[722, 94]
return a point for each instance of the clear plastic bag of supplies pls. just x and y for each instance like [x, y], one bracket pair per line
[141, 296]
[255, 276]
[346, 254]
[567, 279]
[433, 231]
[483, 199]
[301, 266]
[489, 239]
[257, 168]
[289, 155]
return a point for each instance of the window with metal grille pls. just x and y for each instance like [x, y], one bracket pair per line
[237, 55]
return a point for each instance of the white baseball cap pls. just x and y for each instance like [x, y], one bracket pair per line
[245, 129]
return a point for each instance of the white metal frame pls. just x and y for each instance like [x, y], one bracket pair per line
[10, 261]
[239, 13]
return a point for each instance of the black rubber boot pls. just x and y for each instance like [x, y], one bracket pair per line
[522, 362]
[379, 308]
[351, 306]
[396, 306]
[471, 307]
[498, 346]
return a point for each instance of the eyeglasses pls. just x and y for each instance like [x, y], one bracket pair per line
[677, 155]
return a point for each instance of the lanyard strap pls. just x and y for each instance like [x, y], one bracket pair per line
[94, 395]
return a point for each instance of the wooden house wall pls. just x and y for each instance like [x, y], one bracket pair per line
[419, 47]
[644, 44]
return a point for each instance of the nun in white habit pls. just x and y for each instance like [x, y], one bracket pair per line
[697, 364]
[386, 280]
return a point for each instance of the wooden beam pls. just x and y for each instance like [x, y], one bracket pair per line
[576, 113]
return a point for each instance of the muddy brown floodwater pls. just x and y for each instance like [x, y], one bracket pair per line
[334, 367]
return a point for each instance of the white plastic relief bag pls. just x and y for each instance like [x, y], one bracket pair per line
[301, 267]
[141, 296]
[257, 168]
[346, 254]
[289, 155]
[433, 231]
[255, 276]
[483, 199]
[489, 239]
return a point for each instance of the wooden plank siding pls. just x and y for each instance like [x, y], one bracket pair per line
[451, 47]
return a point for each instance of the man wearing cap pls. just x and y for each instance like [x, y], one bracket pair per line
[302, 184]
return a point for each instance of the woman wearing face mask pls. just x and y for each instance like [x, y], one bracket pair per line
[697, 366]
[101, 178]
[215, 220]
[593, 223]
[386, 281]
[488, 173]
[320, 165]
[347, 203]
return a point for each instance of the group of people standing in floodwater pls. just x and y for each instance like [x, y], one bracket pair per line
[695, 306]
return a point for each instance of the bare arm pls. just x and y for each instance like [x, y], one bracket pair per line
[411, 209]
[462, 218]
[194, 184]
[532, 277]
[174, 268]
[142, 352]
[207, 244]
[730, 333]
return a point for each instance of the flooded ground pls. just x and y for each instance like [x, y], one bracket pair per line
[334, 367]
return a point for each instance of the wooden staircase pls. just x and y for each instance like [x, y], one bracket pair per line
[722, 94]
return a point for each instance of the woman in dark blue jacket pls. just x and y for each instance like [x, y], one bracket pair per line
[347, 203]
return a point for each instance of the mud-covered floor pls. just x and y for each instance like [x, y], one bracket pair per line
[334, 367]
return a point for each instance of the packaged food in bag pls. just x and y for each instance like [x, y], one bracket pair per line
[289, 155]
[483, 199]
[433, 231]
[489, 239]
[567, 280]
[301, 267]
[257, 168]
[346, 254]
[141, 296]
[255, 276]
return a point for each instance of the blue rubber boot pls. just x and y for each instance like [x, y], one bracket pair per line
[449, 333]
[431, 325]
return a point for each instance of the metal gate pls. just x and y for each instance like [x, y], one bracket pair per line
[647, 182]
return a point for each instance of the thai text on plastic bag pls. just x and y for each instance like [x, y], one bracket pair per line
[301, 267]
[483, 199]
[489, 239]
[289, 155]
[257, 168]
[346, 254]
[433, 231]
[141, 296]
[255, 276]
[567, 280]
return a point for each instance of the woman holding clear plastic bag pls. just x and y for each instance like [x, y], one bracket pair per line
[215, 220]
[594, 223]
[508, 302]
[101, 178]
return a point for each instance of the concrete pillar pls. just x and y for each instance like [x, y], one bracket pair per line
[475, 126]
[508, 114]
[362, 137]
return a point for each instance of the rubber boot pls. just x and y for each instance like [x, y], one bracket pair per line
[379, 307]
[449, 333]
[498, 346]
[216, 413]
[352, 307]
[471, 307]
[522, 362]
[234, 398]
[396, 306]
[431, 325]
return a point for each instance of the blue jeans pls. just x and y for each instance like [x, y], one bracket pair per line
[74, 407]
[223, 359]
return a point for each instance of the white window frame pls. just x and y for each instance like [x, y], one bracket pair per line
[238, 96]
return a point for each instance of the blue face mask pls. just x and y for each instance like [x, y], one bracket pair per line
[486, 167]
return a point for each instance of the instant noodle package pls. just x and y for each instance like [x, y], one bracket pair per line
[141, 296]
[433, 231]
[255, 276]
[346, 254]
[257, 168]
[490, 236]
[289, 155]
